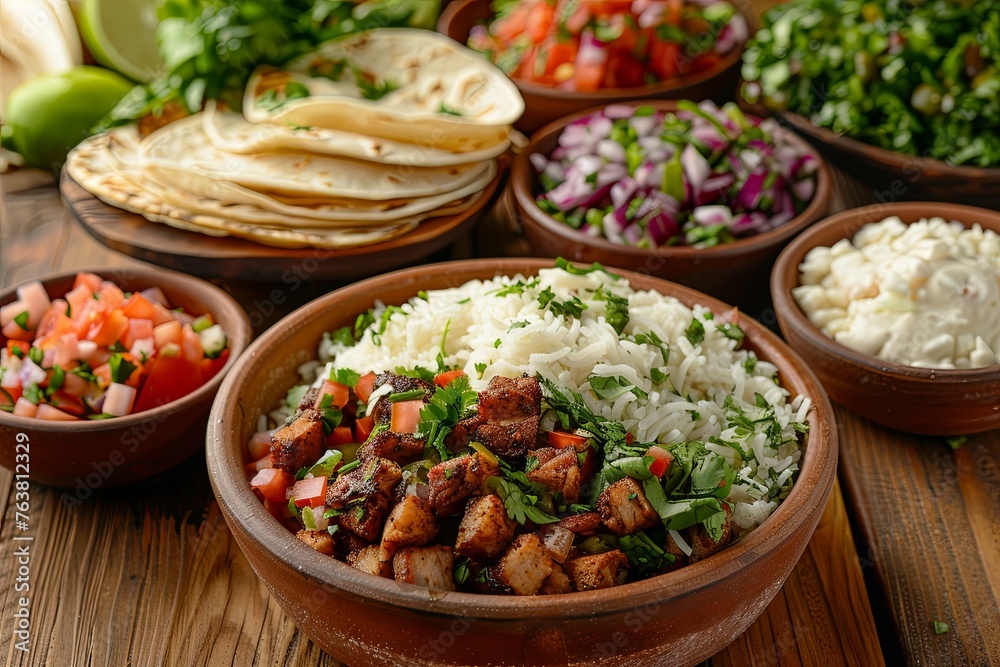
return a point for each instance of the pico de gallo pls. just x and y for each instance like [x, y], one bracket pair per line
[585, 45]
[98, 352]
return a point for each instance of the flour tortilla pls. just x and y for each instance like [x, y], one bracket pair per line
[107, 166]
[230, 132]
[432, 75]
[183, 146]
[239, 203]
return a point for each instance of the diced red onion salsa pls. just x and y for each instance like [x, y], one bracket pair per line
[699, 177]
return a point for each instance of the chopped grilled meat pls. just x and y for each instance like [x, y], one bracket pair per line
[366, 560]
[702, 545]
[430, 567]
[454, 480]
[485, 530]
[560, 472]
[598, 570]
[509, 440]
[320, 540]
[365, 517]
[525, 566]
[680, 558]
[582, 524]
[510, 399]
[382, 410]
[624, 509]
[375, 475]
[411, 523]
[557, 582]
[308, 400]
[299, 443]
[402, 448]
[463, 433]
[509, 410]
[344, 542]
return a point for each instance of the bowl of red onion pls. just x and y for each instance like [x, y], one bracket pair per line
[691, 192]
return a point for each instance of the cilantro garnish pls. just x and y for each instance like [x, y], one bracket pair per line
[22, 320]
[446, 407]
[695, 331]
[121, 368]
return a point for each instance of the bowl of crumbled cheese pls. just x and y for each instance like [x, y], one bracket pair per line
[897, 310]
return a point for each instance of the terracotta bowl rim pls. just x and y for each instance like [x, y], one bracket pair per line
[251, 521]
[522, 181]
[238, 341]
[891, 159]
[732, 59]
[791, 315]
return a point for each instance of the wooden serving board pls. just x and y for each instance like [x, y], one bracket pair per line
[226, 257]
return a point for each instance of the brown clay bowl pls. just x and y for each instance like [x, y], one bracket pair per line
[894, 176]
[678, 618]
[916, 400]
[735, 272]
[92, 455]
[544, 104]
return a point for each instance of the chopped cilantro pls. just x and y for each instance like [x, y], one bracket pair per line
[22, 320]
[940, 627]
[695, 331]
[121, 368]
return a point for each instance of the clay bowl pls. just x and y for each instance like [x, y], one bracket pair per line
[88, 455]
[681, 617]
[734, 272]
[894, 176]
[544, 104]
[916, 400]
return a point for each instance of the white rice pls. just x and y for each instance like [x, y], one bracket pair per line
[688, 406]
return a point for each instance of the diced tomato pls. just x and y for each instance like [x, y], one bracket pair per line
[161, 315]
[661, 460]
[363, 427]
[675, 11]
[169, 378]
[405, 416]
[67, 350]
[103, 375]
[77, 300]
[74, 385]
[168, 332]
[508, 28]
[90, 281]
[589, 69]
[110, 296]
[259, 444]
[24, 408]
[444, 379]
[12, 331]
[191, 345]
[561, 439]
[49, 413]
[339, 394]
[624, 71]
[15, 395]
[273, 483]
[665, 59]
[311, 492]
[54, 325]
[629, 438]
[67, 403]
[704, 61]
[23, 345]
[263, 463]
[578, 20]
[211, 367]
[341, 435]
[539, 21]
[137, 330]
[589, 466]
[559, 53]
[138, 307]
[109, 331]
[365, 386]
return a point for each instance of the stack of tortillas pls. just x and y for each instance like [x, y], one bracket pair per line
[352, 145]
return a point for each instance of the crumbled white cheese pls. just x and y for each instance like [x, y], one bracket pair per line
[925, 294]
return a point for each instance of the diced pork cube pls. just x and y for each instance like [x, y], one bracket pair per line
[320, 540]
[624, 509]
[582, 524]
[525, 566]
[486, 530]
[411, 523]
[300, 443]
[559, 472]
[402, 448]
[430, 567]
[451, 482]
[366, 559]
[375, 475]
[557, 582]
[509, 439]
[510, 399]
[366, 516]
[598, 570]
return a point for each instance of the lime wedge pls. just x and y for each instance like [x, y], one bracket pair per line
[121, 35]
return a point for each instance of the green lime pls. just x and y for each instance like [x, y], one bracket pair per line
[50, 114]
[121, 34]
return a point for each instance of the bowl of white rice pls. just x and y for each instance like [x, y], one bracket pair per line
[678, 371]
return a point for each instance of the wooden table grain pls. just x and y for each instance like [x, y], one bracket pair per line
[151, 575]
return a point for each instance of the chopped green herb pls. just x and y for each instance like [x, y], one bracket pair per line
[36, 356]
[344, 336]
[22, 320]
[17, 351]
[957, 441]
[121, 369]
[33, 394]
[345, 376]
[56, 381]
[480, 369]
[695, 331]
[410, 395]
[733, 331]
[445, 109]
[940, 627]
